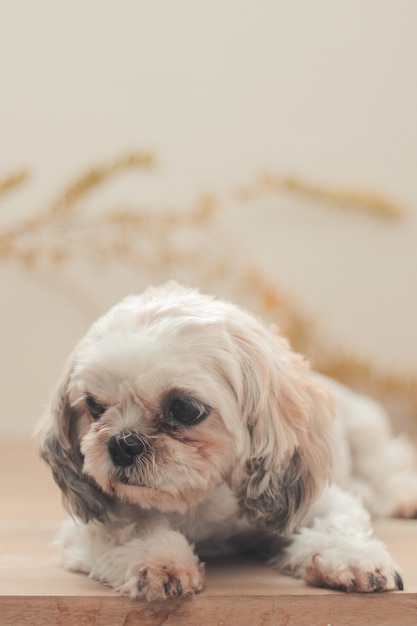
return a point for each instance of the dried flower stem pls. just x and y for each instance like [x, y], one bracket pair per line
[372, 202]
[12, 181]
[97, 175]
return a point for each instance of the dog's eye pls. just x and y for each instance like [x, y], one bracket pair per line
[187, 411]
[96, 409]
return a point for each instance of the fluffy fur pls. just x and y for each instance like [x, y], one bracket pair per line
[181, 420]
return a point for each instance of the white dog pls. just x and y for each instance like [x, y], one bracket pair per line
[182, 420]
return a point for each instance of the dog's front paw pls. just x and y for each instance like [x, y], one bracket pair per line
[169, 580]
[359, 574]
[168, 568]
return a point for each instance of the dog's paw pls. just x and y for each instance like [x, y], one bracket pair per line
[359, 574]
[396, 497]
[404, 497]
[161, 582]
[164, 567]
[165, 574]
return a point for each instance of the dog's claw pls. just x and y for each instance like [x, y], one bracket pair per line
[399, 581]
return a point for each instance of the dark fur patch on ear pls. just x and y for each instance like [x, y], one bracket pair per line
[60, 449]
[273, 500]
[81, 496]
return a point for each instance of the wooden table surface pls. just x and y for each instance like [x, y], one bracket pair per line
[36, 590]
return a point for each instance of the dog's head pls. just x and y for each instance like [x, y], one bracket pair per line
[173, 392]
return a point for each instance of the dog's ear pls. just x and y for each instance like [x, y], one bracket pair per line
[59, 447]
[287, 416]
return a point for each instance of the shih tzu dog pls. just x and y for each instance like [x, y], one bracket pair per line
[183, 426]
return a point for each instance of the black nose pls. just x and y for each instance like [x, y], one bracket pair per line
[124, 448]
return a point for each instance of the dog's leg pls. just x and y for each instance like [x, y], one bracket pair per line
[336, 549]
[384, 467]
[153, 563]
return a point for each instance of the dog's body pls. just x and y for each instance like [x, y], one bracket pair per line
[183, 420]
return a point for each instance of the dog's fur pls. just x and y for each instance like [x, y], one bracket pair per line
[270, 456]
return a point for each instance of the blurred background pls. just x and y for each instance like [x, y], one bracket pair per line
[264, 151]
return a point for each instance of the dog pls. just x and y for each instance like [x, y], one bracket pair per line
[184, 427]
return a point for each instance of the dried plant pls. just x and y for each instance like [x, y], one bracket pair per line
[177, 242]
[343, 198]
[63, 230]
[12, 181]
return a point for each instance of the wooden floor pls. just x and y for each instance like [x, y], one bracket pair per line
[36, 590]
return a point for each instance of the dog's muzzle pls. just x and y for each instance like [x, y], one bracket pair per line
[124, 448]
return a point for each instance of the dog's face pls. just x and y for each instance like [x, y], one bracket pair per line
[157, 414]
[172, 393]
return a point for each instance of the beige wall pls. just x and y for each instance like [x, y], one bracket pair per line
[220, 91]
